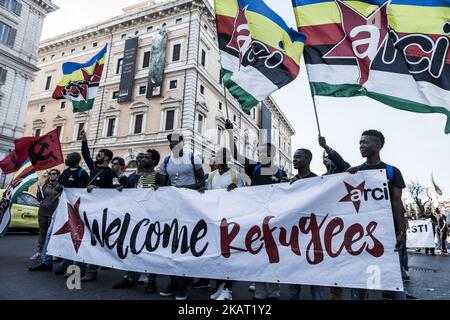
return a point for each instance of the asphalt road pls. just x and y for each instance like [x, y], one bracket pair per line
[430, 279]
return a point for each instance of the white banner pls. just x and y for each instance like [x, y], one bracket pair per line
[420, 234]
[331, 231]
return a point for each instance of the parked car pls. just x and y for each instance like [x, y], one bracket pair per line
[24, 213]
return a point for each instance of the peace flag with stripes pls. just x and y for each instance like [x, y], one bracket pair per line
[259, 52]
[396, 52]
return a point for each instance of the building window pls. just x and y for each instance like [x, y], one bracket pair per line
[42, 109]
[149, 28]
[62, 54]
[12, 5]
[3, 73]
[146, 62]
[205, 26]
[170, 120]
[48, 82]
[73, 50]
[84, 48]
[115, 95]
[247, 149]
[142, 90]
[203, 58]
[200, 123]
[95, 44]
[79, 130]
[37, 132]
[123, 36]
[119, 65]
[7, 34]
[164, 24]
[111, 126]
[220, 106]
[254, 113]
[234, 118]
[176, 52]
[52, 57]
[219, 135]
[202, 90]
[178, 20]
[173, 84]
[59, 129]
[62, 106]
[136, 32]
[138, 121]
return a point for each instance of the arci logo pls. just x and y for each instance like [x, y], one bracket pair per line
[360, 194]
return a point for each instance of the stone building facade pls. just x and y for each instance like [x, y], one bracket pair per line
[20, 32]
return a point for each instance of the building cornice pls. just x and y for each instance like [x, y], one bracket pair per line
[127, 20]
[46, 5]
[26, 67]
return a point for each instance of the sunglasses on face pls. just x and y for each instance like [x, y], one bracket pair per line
[53, 173]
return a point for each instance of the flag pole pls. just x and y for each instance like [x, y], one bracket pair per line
[314, 101]
[104, 89]
[220, 61]
[226, 100]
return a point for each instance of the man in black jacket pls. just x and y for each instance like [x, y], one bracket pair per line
[73, 176]
[101, 177]
[370, 145]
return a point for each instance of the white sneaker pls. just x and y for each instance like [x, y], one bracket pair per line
[252, 287]
[225, 295]
[216, 294]
[35, 256]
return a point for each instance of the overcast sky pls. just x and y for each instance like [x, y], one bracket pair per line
[415, 143]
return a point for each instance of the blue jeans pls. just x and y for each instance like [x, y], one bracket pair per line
[295, 290]
[65, 263]
[46, 258]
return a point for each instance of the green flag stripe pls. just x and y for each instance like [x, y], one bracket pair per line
[350, 90]
[81, 106]
[246, 100]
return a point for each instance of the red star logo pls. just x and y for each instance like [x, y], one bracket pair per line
[74, 225]
[94, 77]
[353, 197]
[363, 37]
[241, 40]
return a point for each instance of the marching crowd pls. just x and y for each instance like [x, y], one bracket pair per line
[439, 223]
[183, 169]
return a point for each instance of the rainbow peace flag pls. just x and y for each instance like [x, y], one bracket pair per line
[24, 178]
[81, 81]
[396, 52]
[259, 52]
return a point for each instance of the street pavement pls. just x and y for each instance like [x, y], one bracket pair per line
[430, 279]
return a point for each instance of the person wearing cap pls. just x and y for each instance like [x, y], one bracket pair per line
[181, 170]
